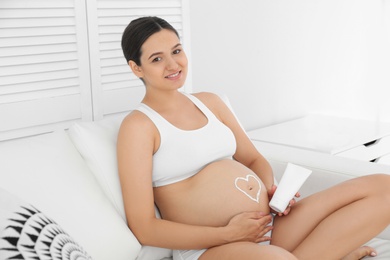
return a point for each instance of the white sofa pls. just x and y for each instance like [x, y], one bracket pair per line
[70, 179]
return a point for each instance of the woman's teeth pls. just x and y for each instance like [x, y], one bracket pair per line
[173, 75]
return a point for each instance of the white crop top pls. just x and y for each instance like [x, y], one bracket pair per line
[183, 153]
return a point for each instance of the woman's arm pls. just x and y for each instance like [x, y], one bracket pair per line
[246, 152]
[135, 147]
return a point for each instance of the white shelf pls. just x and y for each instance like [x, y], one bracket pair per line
[352, 138]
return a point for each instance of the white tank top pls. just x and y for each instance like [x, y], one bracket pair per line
[183, 153]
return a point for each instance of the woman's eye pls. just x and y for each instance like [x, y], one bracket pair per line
[176, 51]
[156, 59]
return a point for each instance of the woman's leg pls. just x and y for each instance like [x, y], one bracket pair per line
[360, 252]
[332, 223]
[247, 251]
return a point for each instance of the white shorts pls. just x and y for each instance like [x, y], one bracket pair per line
[188, 254]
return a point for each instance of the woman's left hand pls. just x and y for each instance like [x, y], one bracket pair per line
[288, 209]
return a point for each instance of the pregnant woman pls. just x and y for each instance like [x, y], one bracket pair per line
[188, 155]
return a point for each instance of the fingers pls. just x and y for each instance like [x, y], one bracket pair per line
[262, 227]
[263, 239]
[288, 209]
[262, 235]
[254, 214]
[251, 226]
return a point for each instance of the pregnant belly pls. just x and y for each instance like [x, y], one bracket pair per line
[213, 196]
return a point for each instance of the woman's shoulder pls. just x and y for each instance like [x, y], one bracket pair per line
[214, 102]
[209, 99]
[137, 122]
[206, 96]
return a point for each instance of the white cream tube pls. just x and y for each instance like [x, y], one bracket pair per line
[293, 178]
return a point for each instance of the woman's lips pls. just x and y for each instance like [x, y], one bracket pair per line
[174, 75]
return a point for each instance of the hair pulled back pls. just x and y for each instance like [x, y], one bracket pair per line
[137, 32]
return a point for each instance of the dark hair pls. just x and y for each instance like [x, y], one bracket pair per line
[137, 32]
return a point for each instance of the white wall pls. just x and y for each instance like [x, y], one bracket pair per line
[279, 60]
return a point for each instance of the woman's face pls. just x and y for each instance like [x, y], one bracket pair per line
[163, 61]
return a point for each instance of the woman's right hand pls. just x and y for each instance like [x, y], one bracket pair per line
[250, 226]
[291, 203]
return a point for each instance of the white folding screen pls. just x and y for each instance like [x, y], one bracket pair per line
[61, 61]
[43, 70]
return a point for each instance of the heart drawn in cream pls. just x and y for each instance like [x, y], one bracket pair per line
[250, 186]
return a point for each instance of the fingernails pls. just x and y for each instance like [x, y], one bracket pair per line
[373, 254]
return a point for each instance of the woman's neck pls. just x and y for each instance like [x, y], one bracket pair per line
[163, 100]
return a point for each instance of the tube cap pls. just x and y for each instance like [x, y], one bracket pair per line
[278, 205]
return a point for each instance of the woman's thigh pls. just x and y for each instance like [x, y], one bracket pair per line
[289, 231]
[247, 251]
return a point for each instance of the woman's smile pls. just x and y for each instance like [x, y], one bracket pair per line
[174, 75]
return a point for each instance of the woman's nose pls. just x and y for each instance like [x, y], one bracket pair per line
[172, 64]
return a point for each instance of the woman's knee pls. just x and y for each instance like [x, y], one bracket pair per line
[381, 183]
[372, 184]
[380, 191]
[384, 191]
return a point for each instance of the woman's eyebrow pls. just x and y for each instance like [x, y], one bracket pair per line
[160, 52]
[177, 45]
[154, 54]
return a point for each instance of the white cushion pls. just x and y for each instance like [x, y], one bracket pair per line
[48, 172]
[23, 227]
[96, 142]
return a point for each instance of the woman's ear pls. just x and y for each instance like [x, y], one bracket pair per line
[137, 70]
